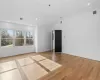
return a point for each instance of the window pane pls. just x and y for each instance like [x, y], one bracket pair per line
[0, 29]
[29, 41]
[6, 33]
[7, 42]
[29, 35]
[19, 34]
[19, 42]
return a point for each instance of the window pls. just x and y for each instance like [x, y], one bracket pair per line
[19, 40]
[29, 38]
[6, 37]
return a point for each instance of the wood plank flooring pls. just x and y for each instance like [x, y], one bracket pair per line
[73, 67]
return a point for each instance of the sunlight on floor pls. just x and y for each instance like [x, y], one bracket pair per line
[30, 66]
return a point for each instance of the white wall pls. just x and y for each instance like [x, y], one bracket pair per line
[44, 38]
[9, 51]
[81, 35]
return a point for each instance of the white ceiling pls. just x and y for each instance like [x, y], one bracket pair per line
[12, 10]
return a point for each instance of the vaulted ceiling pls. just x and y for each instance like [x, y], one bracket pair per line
[43, 11]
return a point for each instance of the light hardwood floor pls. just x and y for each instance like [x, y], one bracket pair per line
[69, 67]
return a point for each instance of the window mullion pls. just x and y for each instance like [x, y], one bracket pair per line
[14, 38]
[25, 40]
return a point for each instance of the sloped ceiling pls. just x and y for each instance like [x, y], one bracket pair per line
[39, 12]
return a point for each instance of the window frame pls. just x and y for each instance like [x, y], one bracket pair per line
[31, 33]
[24, 32]
[6, 38]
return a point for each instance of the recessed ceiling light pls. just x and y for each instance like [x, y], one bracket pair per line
[89, 4]
[94, 12]
[49, 5]
[36, 18]
[21, 18]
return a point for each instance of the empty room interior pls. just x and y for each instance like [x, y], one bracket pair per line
[49, 39]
